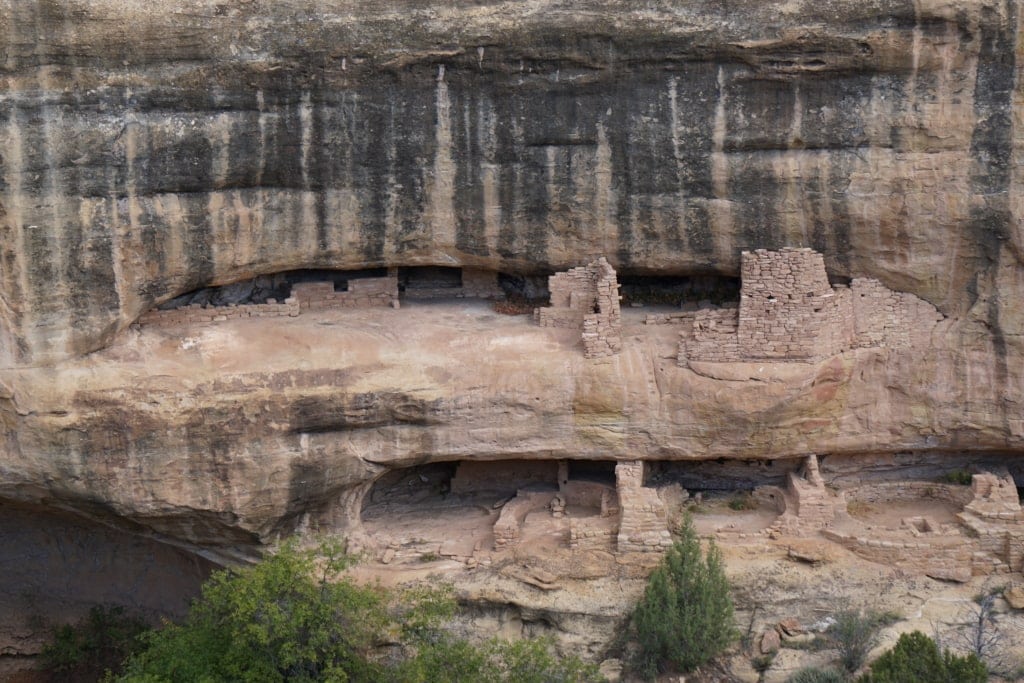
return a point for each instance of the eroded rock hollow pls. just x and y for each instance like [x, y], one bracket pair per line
[157, 156]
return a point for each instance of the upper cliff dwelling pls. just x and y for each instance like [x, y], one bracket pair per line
[785, 308]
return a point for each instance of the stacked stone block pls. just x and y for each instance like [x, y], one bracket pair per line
[789, 312]
[602, 330]
[787, 308]
[196, 314]
[586, 298]
[592, 533]
[643, 524]
[714, 337]
[361, 293]
[950, 557]
[883, 317]
[809, 505]
[995, 518]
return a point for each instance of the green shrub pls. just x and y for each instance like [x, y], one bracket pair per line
[685, 617]
[916, 658]
[854, 633]
[959, 477]
[522, 661]
[815, 675]
[293, 618]
[740, 503]
[278, 620]
[93, 646]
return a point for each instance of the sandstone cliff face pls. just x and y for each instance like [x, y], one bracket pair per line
[152, 149]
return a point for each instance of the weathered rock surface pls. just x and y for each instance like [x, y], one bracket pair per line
[153, 149]
[149, 149]
[227, 434]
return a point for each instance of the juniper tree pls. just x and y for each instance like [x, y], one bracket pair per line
[685, 616]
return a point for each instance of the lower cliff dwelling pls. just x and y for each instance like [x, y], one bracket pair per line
[477, 512]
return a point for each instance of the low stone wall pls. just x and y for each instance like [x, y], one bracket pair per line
[592, 533]
[948, 557]
[713, 338]
[670, 318]
[361, 293]
[197, 314]
[509, 524]
[890, 491]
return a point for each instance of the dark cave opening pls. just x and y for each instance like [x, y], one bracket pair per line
[722, 475]
[689, 292]
[599, 471]
[58, 565]
[429, 277]
[262, 288]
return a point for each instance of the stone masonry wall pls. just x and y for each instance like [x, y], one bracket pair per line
[789, 312]
[947, 557]
[573, 296]
[787, 308]
[586, 297]
[714, 338]
[197, 314]
[883, 317]
[361, 293]
[602, 330]
[592, 533]
[643, 524]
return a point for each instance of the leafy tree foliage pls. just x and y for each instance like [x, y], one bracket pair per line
[685, 617]
[815, 675]
[95, 645]
[292, 617]
[916, 658]
[281, 619]
[522, 661]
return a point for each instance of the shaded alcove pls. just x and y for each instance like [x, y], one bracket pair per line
[721, 475]
[600, 471]
[429, 277]
[852, 469]
[263, 288]
[692, 290]
[451, 509]
[56, 566]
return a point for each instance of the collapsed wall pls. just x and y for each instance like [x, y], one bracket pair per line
[586, 298]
